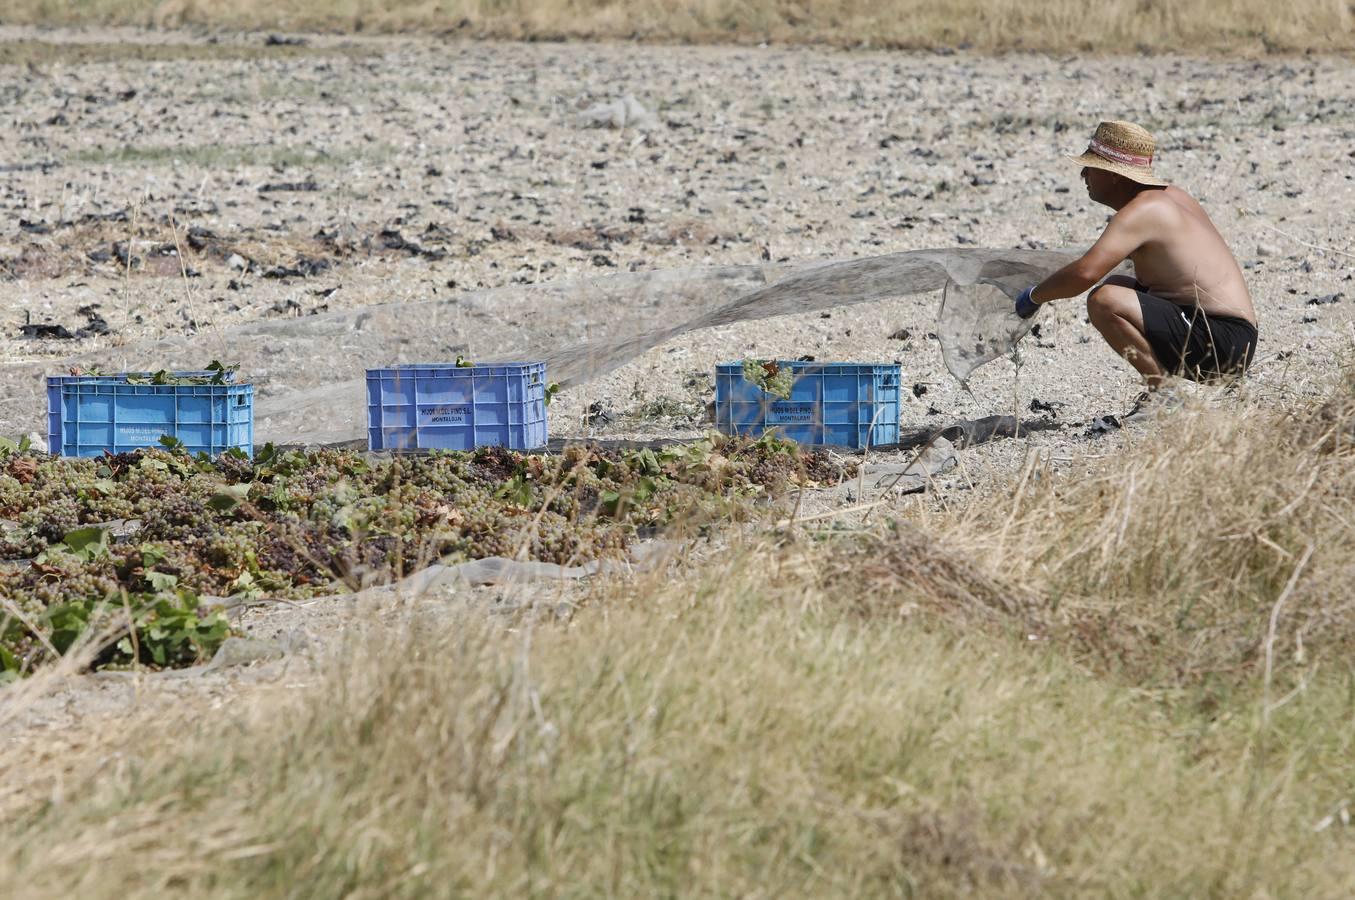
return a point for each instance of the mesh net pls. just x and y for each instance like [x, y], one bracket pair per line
[309, 372]
[976, 325]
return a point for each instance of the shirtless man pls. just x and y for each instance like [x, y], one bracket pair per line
[1188, 313]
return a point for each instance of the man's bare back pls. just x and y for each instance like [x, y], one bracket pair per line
[1187, 261]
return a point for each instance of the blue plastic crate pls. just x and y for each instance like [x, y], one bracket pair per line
[90, 414]
[446, 407]
[839, 404]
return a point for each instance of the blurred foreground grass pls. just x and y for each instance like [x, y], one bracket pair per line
[1133, 679]
[1052, 25]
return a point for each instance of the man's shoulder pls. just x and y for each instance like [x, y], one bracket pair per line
[1149, 206]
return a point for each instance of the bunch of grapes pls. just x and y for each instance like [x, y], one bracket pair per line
[74, 580]
[20, 544]
[298, 550]
[176, 516]
[556, 539]
[235, 469]
[12, 494]
[52, 520]
[445, 474]
[231, 547]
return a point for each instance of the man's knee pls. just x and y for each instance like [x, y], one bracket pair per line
[1108, 300]
[1099, 305]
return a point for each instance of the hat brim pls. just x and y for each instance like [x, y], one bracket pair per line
[1133, 173]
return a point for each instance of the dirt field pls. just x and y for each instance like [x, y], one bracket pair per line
[299, 181]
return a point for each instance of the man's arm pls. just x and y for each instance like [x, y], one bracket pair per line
[1128, 230]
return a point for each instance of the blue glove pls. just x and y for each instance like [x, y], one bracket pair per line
[1025, 306]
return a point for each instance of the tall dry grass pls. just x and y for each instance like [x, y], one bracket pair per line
[1132, 679]
[719, 737]
[1056, 25]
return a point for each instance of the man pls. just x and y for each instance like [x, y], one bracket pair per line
[1189, 312]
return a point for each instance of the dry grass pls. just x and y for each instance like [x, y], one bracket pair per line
[1057, 25]
[1170, 560]
[720, 738]
[815, 715]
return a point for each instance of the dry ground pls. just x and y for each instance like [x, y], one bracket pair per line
[428, 167]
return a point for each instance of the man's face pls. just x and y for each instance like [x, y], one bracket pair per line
[1099, 183]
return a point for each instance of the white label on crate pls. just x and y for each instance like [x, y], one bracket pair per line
[140, 433]
[787, 413]
[446, 415]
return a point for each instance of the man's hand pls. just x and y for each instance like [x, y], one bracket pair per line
[1025, 306]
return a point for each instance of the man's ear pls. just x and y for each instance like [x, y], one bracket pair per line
[1125, 185]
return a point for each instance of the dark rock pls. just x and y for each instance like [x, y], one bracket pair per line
[123, 255]
[200, 238]
[305, 267]
[45, 332]
[298, 186]
[1038, 405]
[95, 326]
[1326, 299]
[393, 240]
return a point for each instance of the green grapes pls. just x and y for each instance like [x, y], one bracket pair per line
[326, 520]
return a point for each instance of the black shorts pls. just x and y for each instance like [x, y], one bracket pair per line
[1189, 343]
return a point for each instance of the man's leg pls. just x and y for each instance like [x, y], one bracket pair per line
[1115, 312]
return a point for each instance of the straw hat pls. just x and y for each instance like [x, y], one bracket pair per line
[1123, 148]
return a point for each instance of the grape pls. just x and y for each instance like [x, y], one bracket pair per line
[237, 470]
[176, 515]
[54, 520]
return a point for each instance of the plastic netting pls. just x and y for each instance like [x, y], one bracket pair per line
[309, 371]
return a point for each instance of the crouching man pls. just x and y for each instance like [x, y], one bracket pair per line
[1189, 312]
